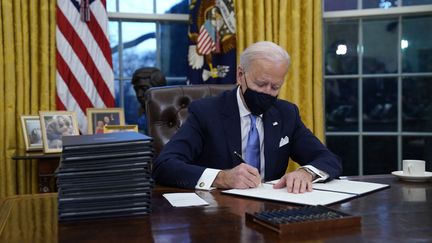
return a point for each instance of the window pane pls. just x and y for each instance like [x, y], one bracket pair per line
[174, 49]
[131, 104]
[335, 5]
[380, 104]
[114, 41]
[416, 44]
[341, 103]
[139, 46]
[417, 104]
[136, 6]
[416, 2]
[345, 147]
[111, 5]
[172, 6]
[117, 93]
[380, 42]
[418, 148]
[380, 3]
[379, 155]
[341, 40]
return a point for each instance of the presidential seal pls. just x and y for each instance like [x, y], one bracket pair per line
[214, 35]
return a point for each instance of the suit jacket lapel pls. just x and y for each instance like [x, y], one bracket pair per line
[272, 134]
[231, 124]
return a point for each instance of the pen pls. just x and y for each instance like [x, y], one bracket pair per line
[239, 157]
[243, 161]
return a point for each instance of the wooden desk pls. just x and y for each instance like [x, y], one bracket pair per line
[401, 213]
[48, 163]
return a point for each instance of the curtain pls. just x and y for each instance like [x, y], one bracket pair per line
[27, 68]
[296, 25]
[27, 83]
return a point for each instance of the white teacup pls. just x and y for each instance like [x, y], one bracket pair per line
[414, 167]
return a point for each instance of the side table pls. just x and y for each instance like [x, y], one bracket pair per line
[48, 163]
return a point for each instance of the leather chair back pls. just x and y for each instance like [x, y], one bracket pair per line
[166, 108]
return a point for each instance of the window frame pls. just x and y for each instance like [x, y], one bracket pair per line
[360, 15]
[156, 18]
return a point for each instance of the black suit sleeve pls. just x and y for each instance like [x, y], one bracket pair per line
[308, 149]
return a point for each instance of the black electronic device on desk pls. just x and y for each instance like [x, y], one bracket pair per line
[308, 218]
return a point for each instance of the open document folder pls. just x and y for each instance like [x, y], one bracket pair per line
[323, 193]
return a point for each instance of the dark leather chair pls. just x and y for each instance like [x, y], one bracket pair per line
[166, 108]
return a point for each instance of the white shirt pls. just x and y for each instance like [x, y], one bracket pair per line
[209, 174]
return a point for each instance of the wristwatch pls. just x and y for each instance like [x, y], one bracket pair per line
[310, 172]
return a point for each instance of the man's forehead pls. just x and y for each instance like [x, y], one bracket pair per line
[268, 62]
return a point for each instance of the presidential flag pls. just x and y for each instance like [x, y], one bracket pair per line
[84, 74]
[212, 42]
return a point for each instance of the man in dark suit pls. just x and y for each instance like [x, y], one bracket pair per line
[249, 120]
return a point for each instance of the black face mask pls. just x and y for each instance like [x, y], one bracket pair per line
[257, 102]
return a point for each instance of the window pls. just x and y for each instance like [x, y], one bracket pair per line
[146, 33]
[378, 83]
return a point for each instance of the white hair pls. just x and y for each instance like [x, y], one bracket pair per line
[264, 50]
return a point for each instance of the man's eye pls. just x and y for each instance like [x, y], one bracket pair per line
[260, 84]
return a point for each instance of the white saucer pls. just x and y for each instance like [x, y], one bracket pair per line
[418, 178]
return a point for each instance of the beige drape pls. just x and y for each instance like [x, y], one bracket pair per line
[295, 25]
[27, 83]
[27, 67]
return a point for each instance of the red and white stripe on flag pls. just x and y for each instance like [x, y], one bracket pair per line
[84, 74]
[205, 43]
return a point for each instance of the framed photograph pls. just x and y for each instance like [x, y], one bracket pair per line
[98, 118]
[32, 132]
[55, 125]
[120, 128]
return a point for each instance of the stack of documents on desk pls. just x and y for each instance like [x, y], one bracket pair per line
[322, 194]
[105, 175]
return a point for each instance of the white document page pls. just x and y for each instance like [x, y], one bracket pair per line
[184, 199]
[315, 197]
[351, 187]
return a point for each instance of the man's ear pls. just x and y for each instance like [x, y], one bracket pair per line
[240, 70]
[239, 75]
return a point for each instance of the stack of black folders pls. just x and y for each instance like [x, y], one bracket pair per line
[105, 176]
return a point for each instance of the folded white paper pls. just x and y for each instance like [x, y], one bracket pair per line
[351, 187]
[184, 199]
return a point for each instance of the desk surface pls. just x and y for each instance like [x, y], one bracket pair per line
[401, 213]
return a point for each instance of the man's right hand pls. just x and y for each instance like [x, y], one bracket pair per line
[240, 177]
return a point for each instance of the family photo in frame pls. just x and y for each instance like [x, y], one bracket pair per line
[32, 132]
[55, 125]
[98, 118]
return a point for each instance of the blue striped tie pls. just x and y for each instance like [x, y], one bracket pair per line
[253, 145]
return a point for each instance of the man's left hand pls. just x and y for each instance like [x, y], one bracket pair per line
[298, 181]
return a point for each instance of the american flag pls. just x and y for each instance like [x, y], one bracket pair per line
[84, 74]
[206, 39]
